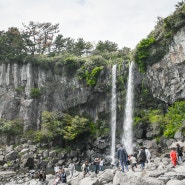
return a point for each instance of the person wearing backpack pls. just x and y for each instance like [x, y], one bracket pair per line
[142, 157]
[123, 157]
[179, 153]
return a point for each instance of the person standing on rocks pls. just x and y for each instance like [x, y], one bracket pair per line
[142, 157]
[96, 165]
[101, 164]
[148, 155]
[56, 170]
[71, 168]
[179, 153]
[85, 168]
[173, 157]
[123, 157]
[63, 176]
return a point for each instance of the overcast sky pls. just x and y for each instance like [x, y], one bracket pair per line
[124, 22]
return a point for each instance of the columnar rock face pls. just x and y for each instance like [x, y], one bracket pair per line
[166, 78]
[65, 92]
[58, 93]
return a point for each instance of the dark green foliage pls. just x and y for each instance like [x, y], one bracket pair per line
[57, 126]
[168, 123]
[75, 126]
[174, 119]
[35, 93]
[92, 77]
[81, 47]
[20, 89]
[12, 46]
[101, 129]
[106, 46]
[91, 69]
[11, 128]
[143, 52]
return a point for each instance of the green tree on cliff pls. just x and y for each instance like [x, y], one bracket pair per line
[40, 36]
[12, 45]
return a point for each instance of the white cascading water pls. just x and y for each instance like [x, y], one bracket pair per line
[113, 114]
[127, 138]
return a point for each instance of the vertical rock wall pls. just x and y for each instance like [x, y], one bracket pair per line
[166, 78]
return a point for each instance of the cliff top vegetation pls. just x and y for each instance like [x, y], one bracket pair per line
[153, 48]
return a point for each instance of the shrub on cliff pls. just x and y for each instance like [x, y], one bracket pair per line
[56, 126]
[174, 119]
[156, 45]
[11, 128]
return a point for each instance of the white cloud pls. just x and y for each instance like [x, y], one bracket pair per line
[121, 21]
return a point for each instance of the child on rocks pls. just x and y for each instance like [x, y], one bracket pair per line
[133, 161]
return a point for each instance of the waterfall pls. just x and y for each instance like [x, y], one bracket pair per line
[127, 138]
[113, 114]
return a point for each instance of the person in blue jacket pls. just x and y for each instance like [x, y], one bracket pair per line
[63, 176]
[123, 157]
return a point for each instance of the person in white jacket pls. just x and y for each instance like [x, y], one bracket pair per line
[148, 155]
[71, 168]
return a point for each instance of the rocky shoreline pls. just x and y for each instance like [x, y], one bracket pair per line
[158, 172]
[17, 161]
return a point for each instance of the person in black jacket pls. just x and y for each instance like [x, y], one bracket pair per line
[179, 153]
[123, 157]
[142, 157]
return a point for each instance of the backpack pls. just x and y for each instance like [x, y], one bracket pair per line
[142, 156]
[180, 151]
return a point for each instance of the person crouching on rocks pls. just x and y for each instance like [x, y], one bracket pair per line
[42, 174]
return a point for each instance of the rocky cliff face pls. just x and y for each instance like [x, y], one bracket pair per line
[65, 92]
[58, 93]
[166, 78]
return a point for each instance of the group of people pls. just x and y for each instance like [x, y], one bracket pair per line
[176, 155]
[140, 156]
[60, 175]
[143, 155]
[98, 166]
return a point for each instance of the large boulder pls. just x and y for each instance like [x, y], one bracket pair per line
[121, 178]
[12, 155]
[107, 176]
[90, 181]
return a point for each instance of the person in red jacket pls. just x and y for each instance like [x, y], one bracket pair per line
[173, 157]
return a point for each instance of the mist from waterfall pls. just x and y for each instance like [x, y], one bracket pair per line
[113, 114]
[127, 138]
